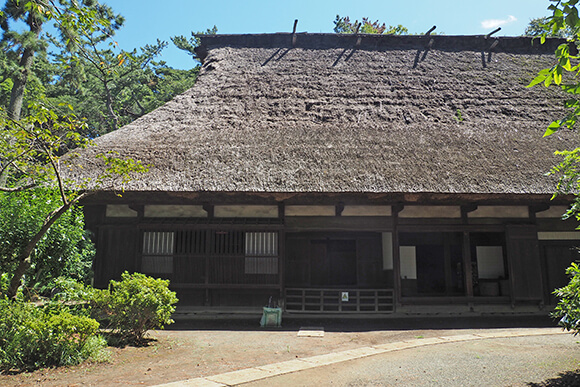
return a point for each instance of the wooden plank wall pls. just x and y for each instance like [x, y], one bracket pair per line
[524, 259]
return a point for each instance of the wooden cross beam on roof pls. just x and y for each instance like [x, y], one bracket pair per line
[493, 32]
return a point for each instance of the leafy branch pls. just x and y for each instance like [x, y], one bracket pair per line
[30, 157]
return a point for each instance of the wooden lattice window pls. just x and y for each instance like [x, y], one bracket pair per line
[261, 250]
[158, 249]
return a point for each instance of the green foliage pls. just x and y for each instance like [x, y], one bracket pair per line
[564, 21]
[189, 45]
[64, 250]
[30, 157]
[22, 48]
[540, 26]
[135, 305]
[107, 85]
[564, 73]
[343, 25]
[32, 337]
[112, 87]
[66, 289]
[568, 309]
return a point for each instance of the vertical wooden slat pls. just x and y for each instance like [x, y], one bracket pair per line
[396, 263]
[523, 255]
[467, 264]
[280, 251]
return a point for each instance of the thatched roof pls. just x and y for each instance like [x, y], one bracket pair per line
[442, 114]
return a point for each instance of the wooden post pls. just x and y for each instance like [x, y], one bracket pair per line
[208, 240]
[447, 263]
[467, 265]
[282, 268]
[294, 33]
[396, 256]
[493, 32]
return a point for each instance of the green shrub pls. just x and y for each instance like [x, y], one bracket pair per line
[135, 305]
[70, 290]
[568, 308]
[65, 250]
[35, 336]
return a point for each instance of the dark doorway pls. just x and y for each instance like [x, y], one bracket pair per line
[431, 264]
[430, 269]
[333, 262]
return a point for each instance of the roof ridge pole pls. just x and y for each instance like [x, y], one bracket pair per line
[493, 32]
[294, 33]
[493, 45]
[431, 41]
[427, 47]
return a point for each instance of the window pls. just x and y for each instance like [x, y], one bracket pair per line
[226, 256]
[261, 250]
[158, 250]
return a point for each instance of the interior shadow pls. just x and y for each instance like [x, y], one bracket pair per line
[354, 323]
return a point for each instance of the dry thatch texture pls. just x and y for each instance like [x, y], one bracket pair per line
[379, 118]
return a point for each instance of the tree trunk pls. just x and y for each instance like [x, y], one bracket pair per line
[21, 77]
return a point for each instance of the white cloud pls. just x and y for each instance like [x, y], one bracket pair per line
[494, 23]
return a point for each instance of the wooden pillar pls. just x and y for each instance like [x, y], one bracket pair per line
[282, 267]
[468, 268]
[282, 256]
[447, 263]
[396, 256]
[208, 241]
[467, 265]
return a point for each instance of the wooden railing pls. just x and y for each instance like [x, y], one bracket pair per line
[313, 300]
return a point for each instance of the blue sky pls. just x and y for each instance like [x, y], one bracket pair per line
[147, 20]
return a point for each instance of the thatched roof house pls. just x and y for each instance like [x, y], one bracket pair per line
[372, 127]
[329, 116]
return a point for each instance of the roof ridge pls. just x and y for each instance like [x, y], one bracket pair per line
[483, 43]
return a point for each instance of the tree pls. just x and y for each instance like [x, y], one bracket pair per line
[540, 26]
[111, 86]
[104, 85]
[107, 85]
[65, 250]
[71, 17]
[31, 151]
[343, 25]
[24, 46]
[565, 20]
[568, 309]
[189, 45]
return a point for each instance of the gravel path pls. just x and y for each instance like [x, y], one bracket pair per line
[515, 361]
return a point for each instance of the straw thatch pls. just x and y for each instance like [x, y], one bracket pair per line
[393, 114]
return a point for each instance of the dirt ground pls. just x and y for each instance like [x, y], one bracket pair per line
[192, 349]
